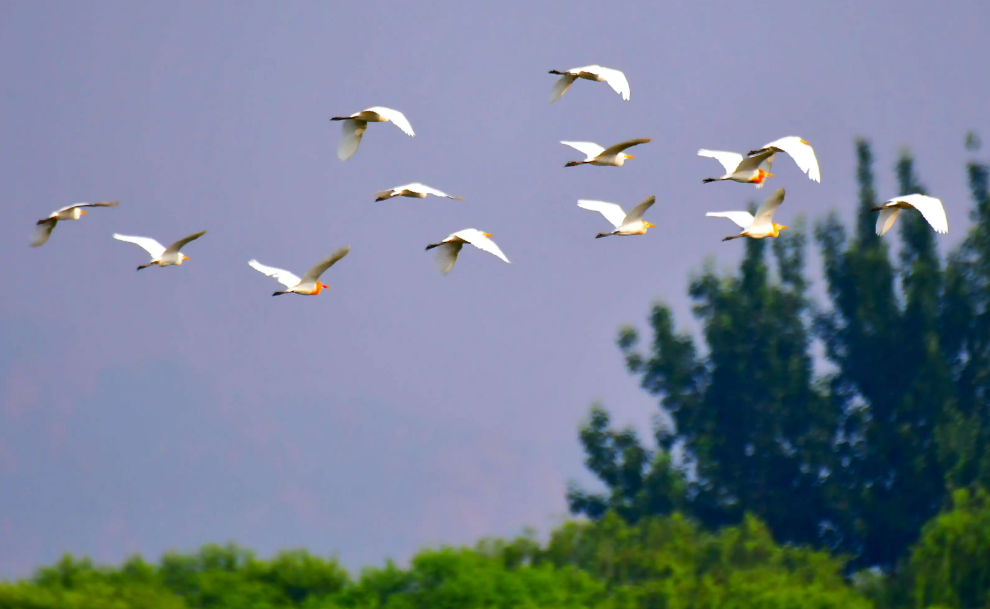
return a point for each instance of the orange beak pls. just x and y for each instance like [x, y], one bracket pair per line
[805, 143]
[769, 175]
[184, 257]
[489, 235]
[650, 225]
[629, 156]
[82, 211]
[325, 286]
[781, 226]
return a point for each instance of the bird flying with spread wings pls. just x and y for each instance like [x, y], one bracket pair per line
[614, 78]
[356, 124]
[625, 224]
[760, 226]
[160, 255]
[613, 156]
[931, 210]
[45, 226]
[414, 190]
[449, 248]
[309, 284]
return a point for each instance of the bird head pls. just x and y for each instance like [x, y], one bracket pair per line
[647, 225]
[761, 175]
[777, 228]
[489, 235]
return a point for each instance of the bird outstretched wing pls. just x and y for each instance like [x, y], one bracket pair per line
[395, 117]
[617, 148]
[764, 214]
[743, 219]
[314, 273]
[612, 212]
[588, 149]
[729, 160]
[351, 132]
[154, 248]
[799, 150]
[283, 276]
[178, 245]
[561, 86]
[478, 239]
[97, 204]
[42, 231]
[636, 214]
[615, 79]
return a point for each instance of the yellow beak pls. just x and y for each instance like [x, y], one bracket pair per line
[629, 156]
[650, 225]
[82, 211]
[487, 234]
[184, 257]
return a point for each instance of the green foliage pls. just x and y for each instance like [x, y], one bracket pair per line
[660, 562]
[948, 566]
[856, 460]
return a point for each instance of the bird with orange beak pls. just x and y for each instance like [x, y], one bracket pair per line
[310, 284]
[760, 226]
[625, 224]
[613, 156]
[45, 226]
[160, 255]
[747, 170]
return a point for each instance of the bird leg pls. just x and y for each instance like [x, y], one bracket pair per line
[575, 163]
[600, 235]
[731, 237]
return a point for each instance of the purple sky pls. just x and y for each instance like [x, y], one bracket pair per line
[164, 409]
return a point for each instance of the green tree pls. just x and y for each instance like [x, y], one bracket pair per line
[949, 565]
[756, 431]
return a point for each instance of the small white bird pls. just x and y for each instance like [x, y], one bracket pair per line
[799, 150]
[625, 224]
[931, 210]
[613, 156]
[309, 285]
[414, 190]
[759, 227]
[450, 247]
[160, 255]
[614, 78]
[45, 226]
[355, 125]
[748, 170]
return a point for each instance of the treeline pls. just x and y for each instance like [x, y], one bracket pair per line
[661, 562]
[855, 461]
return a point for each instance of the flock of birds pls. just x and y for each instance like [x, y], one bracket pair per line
[751, 168]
